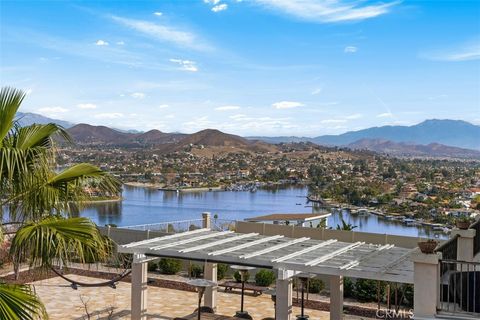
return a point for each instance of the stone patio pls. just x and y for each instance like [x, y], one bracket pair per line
[63, 302]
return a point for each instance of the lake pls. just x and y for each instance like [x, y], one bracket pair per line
[146, 205]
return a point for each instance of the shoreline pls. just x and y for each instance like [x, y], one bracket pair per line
[163, 188]
[103, 200]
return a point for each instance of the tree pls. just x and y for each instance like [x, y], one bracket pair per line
[40, 200]
[346, 226]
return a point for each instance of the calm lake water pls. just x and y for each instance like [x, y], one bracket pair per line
[145, 205]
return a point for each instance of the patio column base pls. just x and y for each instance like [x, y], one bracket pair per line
[284, 299]
[210, 273]
[336, 297]
[139, 288]
[426, 279]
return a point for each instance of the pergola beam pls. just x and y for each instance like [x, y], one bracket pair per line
[173, 244]
[355, 263]
[298, 253]
[176, 235]
[219, 242]
[333, 254]
[274, 248]
[244, 245]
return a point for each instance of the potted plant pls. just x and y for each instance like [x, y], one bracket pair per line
[427, 246]
[463, 222]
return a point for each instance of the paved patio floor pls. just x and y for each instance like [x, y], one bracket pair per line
[62, 302]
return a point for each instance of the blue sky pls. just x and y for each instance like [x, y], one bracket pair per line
[259, 67]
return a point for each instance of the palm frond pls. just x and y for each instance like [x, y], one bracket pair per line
[19, 302]
[10, 100]
[56, 239]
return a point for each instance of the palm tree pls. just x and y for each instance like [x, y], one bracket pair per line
[346, 226]
[41, 201]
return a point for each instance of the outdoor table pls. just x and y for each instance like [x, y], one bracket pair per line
[304, 277]
[243, 271]
[201, 285]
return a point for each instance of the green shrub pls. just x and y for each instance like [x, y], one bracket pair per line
[170, 266]
[348, 288]
[366, 290]
[264, 278]
[238, 278]
[196, 270]
[315, 285]
[222, 270]
[152, 266]
[404, 294]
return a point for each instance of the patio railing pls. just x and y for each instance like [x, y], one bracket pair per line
[169, 227]
[476, 239]
[460, 288]
[222, 224]
[449, 252]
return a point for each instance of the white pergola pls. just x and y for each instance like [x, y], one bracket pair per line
[288, 256]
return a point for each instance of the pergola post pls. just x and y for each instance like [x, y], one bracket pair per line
[139, 287]
[284, 296]
[210, 273]
[464, 243]
[206, 223]
[336, 297]
[427, 284]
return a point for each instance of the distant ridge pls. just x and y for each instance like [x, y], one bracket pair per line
[28, 118]
[436, 138]
[402, 149]
[101, 135]
[456, 133]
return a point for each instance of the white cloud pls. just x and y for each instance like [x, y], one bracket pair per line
[101, 43]
[169, 116]
[53, 110]
[138, 95]
[163, 33]
[329, 10]
[158, 13]
[350, 49]
[466, 52]
[333, 121]
[385, 115]
[287, 105]
[120, 43]
[316, 91]
[163, 106]
[354, 116]
[227, 108]
[214, 2]
[113, 115]
[86, 106]
[186, 65]
[220, 7]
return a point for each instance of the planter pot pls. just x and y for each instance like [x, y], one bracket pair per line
[427, 246]
[463, 225]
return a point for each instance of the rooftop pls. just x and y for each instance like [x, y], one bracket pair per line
[288, 217]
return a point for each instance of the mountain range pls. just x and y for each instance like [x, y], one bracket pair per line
[456, 133]
[430, 138]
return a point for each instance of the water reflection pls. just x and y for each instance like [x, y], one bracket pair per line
[144, 205]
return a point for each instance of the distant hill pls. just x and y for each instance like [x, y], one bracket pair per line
[166, 142]
[212, 138]
[402, 149]
[157, 137]
[28, 118]
[456, 133]
[98, 135]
